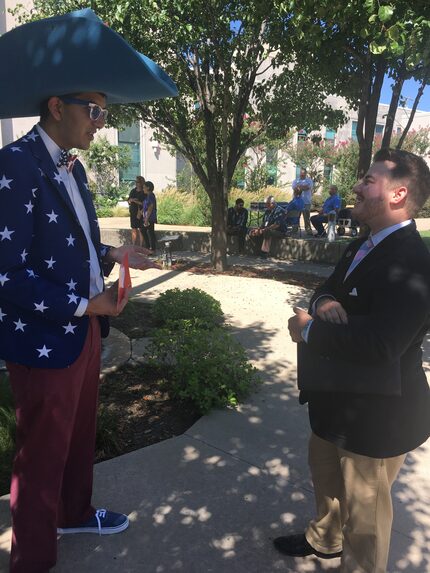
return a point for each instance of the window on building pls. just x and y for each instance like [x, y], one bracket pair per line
[130, 137]
[379, 129]
[302, 135]
[328, 173]
[298, 169]
[329, 136]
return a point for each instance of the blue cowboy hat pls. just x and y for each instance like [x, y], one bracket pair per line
[74, 53]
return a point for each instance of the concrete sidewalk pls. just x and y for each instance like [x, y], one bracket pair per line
[212, 499]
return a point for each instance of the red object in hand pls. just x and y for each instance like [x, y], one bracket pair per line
[124, 281]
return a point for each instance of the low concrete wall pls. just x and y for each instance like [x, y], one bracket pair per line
[306, 249]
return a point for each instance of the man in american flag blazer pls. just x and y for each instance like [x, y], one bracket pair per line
[53, 306]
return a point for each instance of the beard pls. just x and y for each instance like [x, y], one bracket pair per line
[368, 209]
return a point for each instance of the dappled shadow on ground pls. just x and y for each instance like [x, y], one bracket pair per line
[212, 499]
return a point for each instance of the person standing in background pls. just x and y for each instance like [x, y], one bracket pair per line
[149, 217]
[306, 185]
[135, 200]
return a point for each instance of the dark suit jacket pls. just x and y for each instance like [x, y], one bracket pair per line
[44, 269]
[370, 370]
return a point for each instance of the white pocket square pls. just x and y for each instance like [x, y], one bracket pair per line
[353, 292]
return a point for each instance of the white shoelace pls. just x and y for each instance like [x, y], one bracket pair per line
[100, 513]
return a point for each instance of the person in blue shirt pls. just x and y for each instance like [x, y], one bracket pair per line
[332, 204]
[294, 209]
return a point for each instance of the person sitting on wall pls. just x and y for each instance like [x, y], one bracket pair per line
[273, 225]
[237, 219]
[294, 210]
[331, 205]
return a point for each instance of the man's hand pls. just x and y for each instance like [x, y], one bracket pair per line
[330, 310]
[105, 303]
[137, 258]
[297, 322]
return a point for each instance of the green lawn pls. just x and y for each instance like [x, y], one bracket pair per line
[426, 237]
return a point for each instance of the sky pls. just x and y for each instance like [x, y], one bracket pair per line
[410, 89]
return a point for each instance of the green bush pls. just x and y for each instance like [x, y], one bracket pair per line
[7, 434]
[170, 207]
[108, 442]
[176, 207]
[317, 202]
[192, 305]
[207, 367]
[205, 364]
[425, 210]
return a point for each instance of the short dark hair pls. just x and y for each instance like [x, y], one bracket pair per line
[149, 185]
[240, 202]
[411, 168]
[44, 109]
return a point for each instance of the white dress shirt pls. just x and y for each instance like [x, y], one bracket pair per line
[96, 279]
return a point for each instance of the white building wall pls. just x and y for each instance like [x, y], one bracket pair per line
[157, 164]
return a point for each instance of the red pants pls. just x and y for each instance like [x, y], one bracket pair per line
[52, 474]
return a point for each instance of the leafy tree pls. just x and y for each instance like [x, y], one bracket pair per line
[346, 157]
[105, 159]
[232, 64]
[364, 40]
[313, 153]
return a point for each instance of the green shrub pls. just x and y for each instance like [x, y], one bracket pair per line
[108, 441]
[120, 211]
[317, 202]
[7, 434]
[425, 210]
[170, 207]
[207, 367]
[192, 305]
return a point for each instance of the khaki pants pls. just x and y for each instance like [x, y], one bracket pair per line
[354, 507]
[307, 218]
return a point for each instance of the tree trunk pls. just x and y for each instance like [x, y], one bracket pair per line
[414, 109]
[391, 115]
[219, 224]
[370, 111]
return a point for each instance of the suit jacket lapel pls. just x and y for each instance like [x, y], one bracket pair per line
[378, 253]
[47, 167]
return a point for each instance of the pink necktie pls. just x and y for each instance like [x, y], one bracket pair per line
[360, 254]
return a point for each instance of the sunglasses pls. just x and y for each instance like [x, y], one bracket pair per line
[96, 112]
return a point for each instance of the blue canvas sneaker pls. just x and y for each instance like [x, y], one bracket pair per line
[104, 522]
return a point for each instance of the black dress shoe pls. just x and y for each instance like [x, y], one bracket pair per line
[297, 546]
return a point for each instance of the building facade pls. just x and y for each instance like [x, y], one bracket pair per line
[155, 163]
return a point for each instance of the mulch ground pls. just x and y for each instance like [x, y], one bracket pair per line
[135, 407]
[306, 280]
[137, 410]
